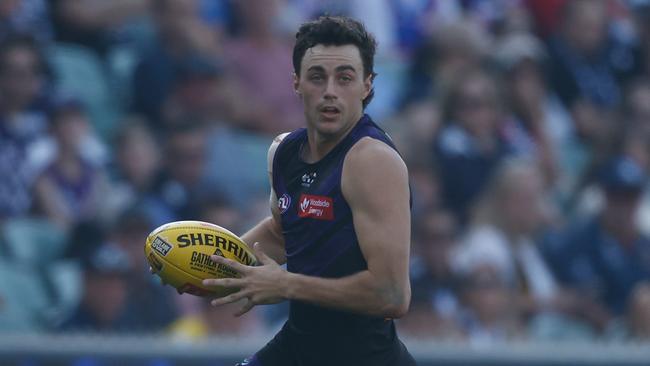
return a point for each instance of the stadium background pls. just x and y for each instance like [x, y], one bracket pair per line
[525, 125]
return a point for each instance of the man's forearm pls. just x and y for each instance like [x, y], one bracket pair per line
[360, 293]
[266, 234]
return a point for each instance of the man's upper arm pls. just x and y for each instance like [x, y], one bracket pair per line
[273, 199]
[375, 185]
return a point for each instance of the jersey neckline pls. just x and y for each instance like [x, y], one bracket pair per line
[334, 150]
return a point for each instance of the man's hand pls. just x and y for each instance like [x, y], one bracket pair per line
[265, 284]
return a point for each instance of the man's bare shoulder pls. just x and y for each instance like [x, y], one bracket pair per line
[374, 154]
[274, 146]
[371, 166]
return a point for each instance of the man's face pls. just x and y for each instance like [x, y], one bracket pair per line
[332, 87]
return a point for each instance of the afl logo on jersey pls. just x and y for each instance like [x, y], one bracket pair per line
[284, 202]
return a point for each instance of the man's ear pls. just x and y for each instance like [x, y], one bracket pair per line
[296, 83]
[367, 85]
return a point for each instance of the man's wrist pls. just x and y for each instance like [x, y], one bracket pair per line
[289, 285]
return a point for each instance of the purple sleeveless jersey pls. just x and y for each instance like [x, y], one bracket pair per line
[320, 240]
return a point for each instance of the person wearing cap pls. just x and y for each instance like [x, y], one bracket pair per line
[103, 307]
[116, 293]
[606, 256]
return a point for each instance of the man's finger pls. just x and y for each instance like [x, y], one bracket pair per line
[224, 282]
[236, 266]
[230, 298]
[259, 253]
[246, 308]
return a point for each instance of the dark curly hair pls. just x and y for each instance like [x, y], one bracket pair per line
[337, 31]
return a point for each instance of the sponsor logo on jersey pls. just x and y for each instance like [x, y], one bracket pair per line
[316, 207]
[284, 202]
[161, 246]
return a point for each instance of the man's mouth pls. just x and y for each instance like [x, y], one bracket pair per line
[329, 111]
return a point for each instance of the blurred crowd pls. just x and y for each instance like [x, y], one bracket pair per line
[525, 125]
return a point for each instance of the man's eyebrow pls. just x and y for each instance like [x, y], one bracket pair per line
[345, 67]
[316, 68]
[340, 68]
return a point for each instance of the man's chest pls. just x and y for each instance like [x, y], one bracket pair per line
[311, 193]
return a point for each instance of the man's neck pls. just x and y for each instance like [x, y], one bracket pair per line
[318, 145]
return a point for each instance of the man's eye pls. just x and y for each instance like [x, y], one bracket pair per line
[316, 77]
[345, 78]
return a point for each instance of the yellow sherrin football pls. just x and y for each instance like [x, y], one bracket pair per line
[179, 252]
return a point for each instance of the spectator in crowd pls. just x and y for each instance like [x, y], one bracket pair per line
[587, 62]
[182, 183]
[260, 61]
[91, 23]
[136, 165]
[545, 129]
[70, 188]
[489, 312]
[435, 305]
[503, 238]
[504, 226]
[586, 66]
[452, 48]
[151, 306]
[118, 294]
[425, 187]
[181, 37]
[137, 155]
[413, 128]
[202, 89]
[471, 143]
[23, 121]
[106, 271]
[606, 256]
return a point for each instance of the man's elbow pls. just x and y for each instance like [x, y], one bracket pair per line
[397, 305]
[397, 311]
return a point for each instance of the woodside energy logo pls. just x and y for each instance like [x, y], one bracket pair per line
[316, 207]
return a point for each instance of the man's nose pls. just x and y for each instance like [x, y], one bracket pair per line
[330, 89]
